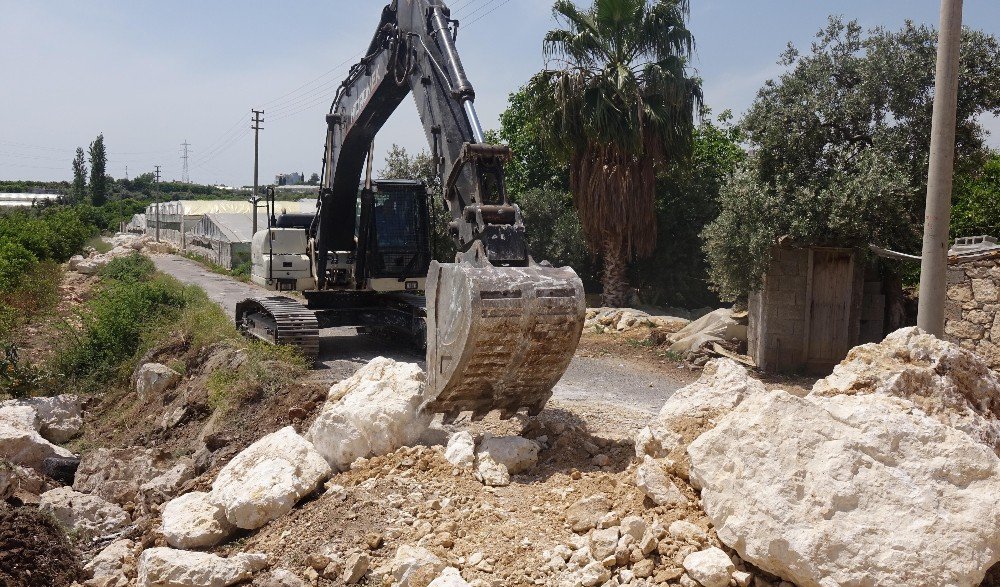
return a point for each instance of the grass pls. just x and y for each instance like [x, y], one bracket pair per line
[266, 371]
[133, 310]
[241, 272]
[36, 294]
[98, 244]
[137, 309]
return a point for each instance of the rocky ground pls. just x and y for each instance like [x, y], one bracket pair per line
[884, 473]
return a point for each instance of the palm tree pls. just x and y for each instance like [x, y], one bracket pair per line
[618, 106]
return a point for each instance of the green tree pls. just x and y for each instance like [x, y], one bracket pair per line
[532, 165]
[841, 145]
[79, 190]
[687, 200]
[976, 209]
[98, 172]
[313, 179]
[618, 107]
[401, 165]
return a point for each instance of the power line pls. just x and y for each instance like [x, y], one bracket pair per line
[309, 83]
[208, 156]
[491, 11]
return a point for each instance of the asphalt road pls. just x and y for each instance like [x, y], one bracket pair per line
[610, 380]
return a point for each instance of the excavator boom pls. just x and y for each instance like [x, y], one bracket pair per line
[501, 328]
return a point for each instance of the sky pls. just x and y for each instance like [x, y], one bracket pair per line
[152, 75]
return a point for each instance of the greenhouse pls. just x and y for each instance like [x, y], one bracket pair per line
[137, 225]
[223, 239]
[177, 219]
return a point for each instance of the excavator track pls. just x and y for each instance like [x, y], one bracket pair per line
[499, 338]
[280, 320]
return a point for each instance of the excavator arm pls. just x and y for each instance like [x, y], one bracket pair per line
[501, 328]
[413, 51]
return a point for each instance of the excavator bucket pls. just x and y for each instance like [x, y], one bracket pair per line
[499, 338]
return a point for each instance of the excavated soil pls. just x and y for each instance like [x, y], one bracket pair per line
[414, 496]
[34, 551]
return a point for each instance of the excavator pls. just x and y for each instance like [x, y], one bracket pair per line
[500, 328]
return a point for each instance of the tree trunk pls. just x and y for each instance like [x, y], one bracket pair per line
[617, 293]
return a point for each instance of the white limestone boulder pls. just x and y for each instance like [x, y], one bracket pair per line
[60, 418]
[74, 262]
[710, 568]
[166, 567]
[461, 449]
[153, 379]
[92, 265]
[697, 407]
[268, 478]
[193, 521]
[499, 457]
[657, 485]
[945, 381]
[132, 475]
[414, 566]
[117, 559]
[450, 577]
[88, 515]
[20, 441]
[850, 490]
[585, 513]
[374, 412]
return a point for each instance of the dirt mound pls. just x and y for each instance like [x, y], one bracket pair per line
[498, 535]
[34, 551]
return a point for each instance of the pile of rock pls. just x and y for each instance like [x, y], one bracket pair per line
[374, 412]
[627, 319]
[31, 428]
[122, 245]
[495, 459]
[632, 551]
[886, 473]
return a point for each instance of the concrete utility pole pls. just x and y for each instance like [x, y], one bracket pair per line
[156, 200]
[185, 176]
[255, 197]
[937, 220]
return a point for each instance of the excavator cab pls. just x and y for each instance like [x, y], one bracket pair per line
[393, 251]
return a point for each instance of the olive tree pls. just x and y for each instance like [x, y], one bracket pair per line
[839, 147]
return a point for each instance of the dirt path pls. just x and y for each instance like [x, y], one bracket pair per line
[620, 381]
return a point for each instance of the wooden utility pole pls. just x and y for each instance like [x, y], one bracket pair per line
[156, 200]
[255, 197]
[937, 219]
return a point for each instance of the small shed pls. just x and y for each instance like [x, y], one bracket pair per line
[814, 306]
[223, 238]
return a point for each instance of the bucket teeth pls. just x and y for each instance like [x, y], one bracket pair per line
[499, 338]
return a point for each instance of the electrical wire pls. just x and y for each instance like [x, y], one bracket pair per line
[491, 11]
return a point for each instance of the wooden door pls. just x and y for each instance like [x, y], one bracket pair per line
[830, 291]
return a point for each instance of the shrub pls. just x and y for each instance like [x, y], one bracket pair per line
[131, 269]
[15, 261]
[128, 305]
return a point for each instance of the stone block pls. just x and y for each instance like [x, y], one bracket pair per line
[984, 290]
[964, 330]
[960, 292]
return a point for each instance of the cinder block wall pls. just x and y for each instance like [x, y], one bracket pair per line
[776, 339]
[971, 318]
